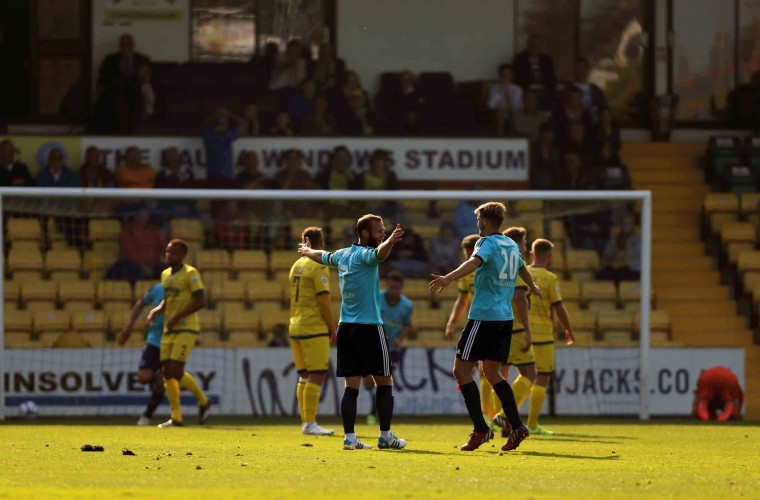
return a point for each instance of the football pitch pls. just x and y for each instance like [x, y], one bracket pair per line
[258, 458]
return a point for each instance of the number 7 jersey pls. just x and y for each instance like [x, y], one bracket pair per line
[495, 279]
[307, 280]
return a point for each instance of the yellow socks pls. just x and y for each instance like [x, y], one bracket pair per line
[189, 383]
[521, 387]
[485, 395]
[537, 396]
[310, 402]
[299, 396]
[171, 386]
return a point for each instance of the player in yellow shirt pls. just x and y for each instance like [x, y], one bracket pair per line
[312, 331]
[183, 298]
[542, 331]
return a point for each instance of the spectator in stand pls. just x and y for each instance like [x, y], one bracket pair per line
[147, 92]
[571, 112]
[329, 71]
[293, 175]
[535, 70]
[337, 173]
[282, 126]
[250, 177]
[545, 159]
[232, 226]
[608, 131]
[621, 260]
[592, 95]
[340, 97]
[359, 120]
[250, 126]
[574, 175]
[12, 172]
[379, 175]
[302, 103]
[93, 173]
[290, 70]
[174, 175]
[320, 122]
[218, 135]
[445, 250]
[612, 173]
[118, 105]
[409, 256]
[143, 245]
[579, 141]
[505, 98]
[56, 173]
[464, 217]
[527, 121]
[134, 174]
[407, 104]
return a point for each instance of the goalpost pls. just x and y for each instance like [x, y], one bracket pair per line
[51, 204]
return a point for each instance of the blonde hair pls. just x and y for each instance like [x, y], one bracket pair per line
[493, 211]
[541, 247]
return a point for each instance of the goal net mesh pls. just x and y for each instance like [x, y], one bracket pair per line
[74, 268]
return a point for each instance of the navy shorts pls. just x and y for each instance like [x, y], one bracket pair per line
[362, 350]
[151, 358]
[482, 340]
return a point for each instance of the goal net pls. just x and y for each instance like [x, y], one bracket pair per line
[76, 262]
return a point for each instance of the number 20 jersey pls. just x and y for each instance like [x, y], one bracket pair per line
[495, 278]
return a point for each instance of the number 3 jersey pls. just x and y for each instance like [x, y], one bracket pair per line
[495, 279]
[307, 280]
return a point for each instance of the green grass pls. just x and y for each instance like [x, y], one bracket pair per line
[254, 458]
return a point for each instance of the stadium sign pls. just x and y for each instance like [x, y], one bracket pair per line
[262, 382]
[504, 160]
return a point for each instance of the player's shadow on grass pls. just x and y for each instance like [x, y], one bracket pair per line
[574, 440]
[591, 436]
[562, 455]
[424, 452]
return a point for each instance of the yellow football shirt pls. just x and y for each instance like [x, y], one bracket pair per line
[466, 284]
[517, 325]
[178, 294]
[307, 280]
[540, 313]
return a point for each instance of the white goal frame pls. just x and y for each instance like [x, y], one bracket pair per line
[645, 197]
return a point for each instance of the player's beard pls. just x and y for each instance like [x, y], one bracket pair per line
[373, 242]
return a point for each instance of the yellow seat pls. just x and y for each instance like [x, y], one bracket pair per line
[22, 228]
[265, 291]
[559, 264]
[615, 320]
[117, 315]
[190, 230]
[19, 340]
[231, 291]
[114, 291]
[426, 231]
[271, 319]
[51, 321]
[617, 338]
[297, 226]
[89, 321]
[70, 340]
[733, 250]
[249, 260]
[17, 321]
[25, 245]
[737, 232]
[571, 291]
[39, 305]
[599, 291]
[721, 202]
[425, 318]
[282, 260]
[73, 291]
[749, 281]
[63, 260]
[748, 203]
[245, 339]
[415, 288]
[582, 260]
[658, 321]
[40, 291]
[246, 321]
[24, 261]
[143, 286]
[22, 277]
[749, 260]
[213, 260]
[211, 320]
[213, 279]
[557, 231]
[521, 207]
[583, 320]
[252, 276]
[63, 276]
[232, 308]
[103, 229]
[79, 306]
[95, 262]
[11, 291]
[96, 339]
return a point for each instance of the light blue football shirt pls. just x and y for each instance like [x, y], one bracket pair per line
[359, 283]
[395, 316]
[495, 278]
[153, 298]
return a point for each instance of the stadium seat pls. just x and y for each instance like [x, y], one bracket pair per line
[63, 260]
[114, 291]
[416, 288]
[297, 226]
[190, 230]
[71, 340]
[558, 265]
[46, 291]
[749, 260]
[103, 229]
[425, 318]
[748, 204]
[282, 260]
[17, 229]
[722, 152]
[51, 321]
[599, 292]
[616, 338]
[522, 207]
[76, 291]
[211, 321]
[718, 209]
[19, 340]
[231, 291]
[571, 291]
[143, 286]
[22, 277]
[11, 292]
[95, 262]
[249, 260]
[63, 276]
[615, 320]
[238, 338]
[271, 319]
[658, 321]
[117, 315]
[17, 321]
[252, 276]
[24, 261]
[89, 321]
[582, 264]
[583, 320]
[557, 231]
[212, 279]
[213, 260]
[246, 321]
[25, 245]
[77, 306]
[268, 290]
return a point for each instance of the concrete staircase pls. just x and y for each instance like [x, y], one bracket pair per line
[685, 280]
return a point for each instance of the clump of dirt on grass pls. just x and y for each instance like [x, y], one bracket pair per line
[91, 447]
[128, 453]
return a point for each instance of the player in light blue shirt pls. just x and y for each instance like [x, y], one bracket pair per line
[362, 345]
[149, 370]
[497, 263]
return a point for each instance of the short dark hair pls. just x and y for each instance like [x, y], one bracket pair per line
[314, 234]
[493, 210]
[504, 66]
[516, 233]
[176, 242]
[365, 223]
[396, 277]
[468, 242]
[541, 247]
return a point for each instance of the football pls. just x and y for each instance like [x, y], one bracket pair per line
[28, 409]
